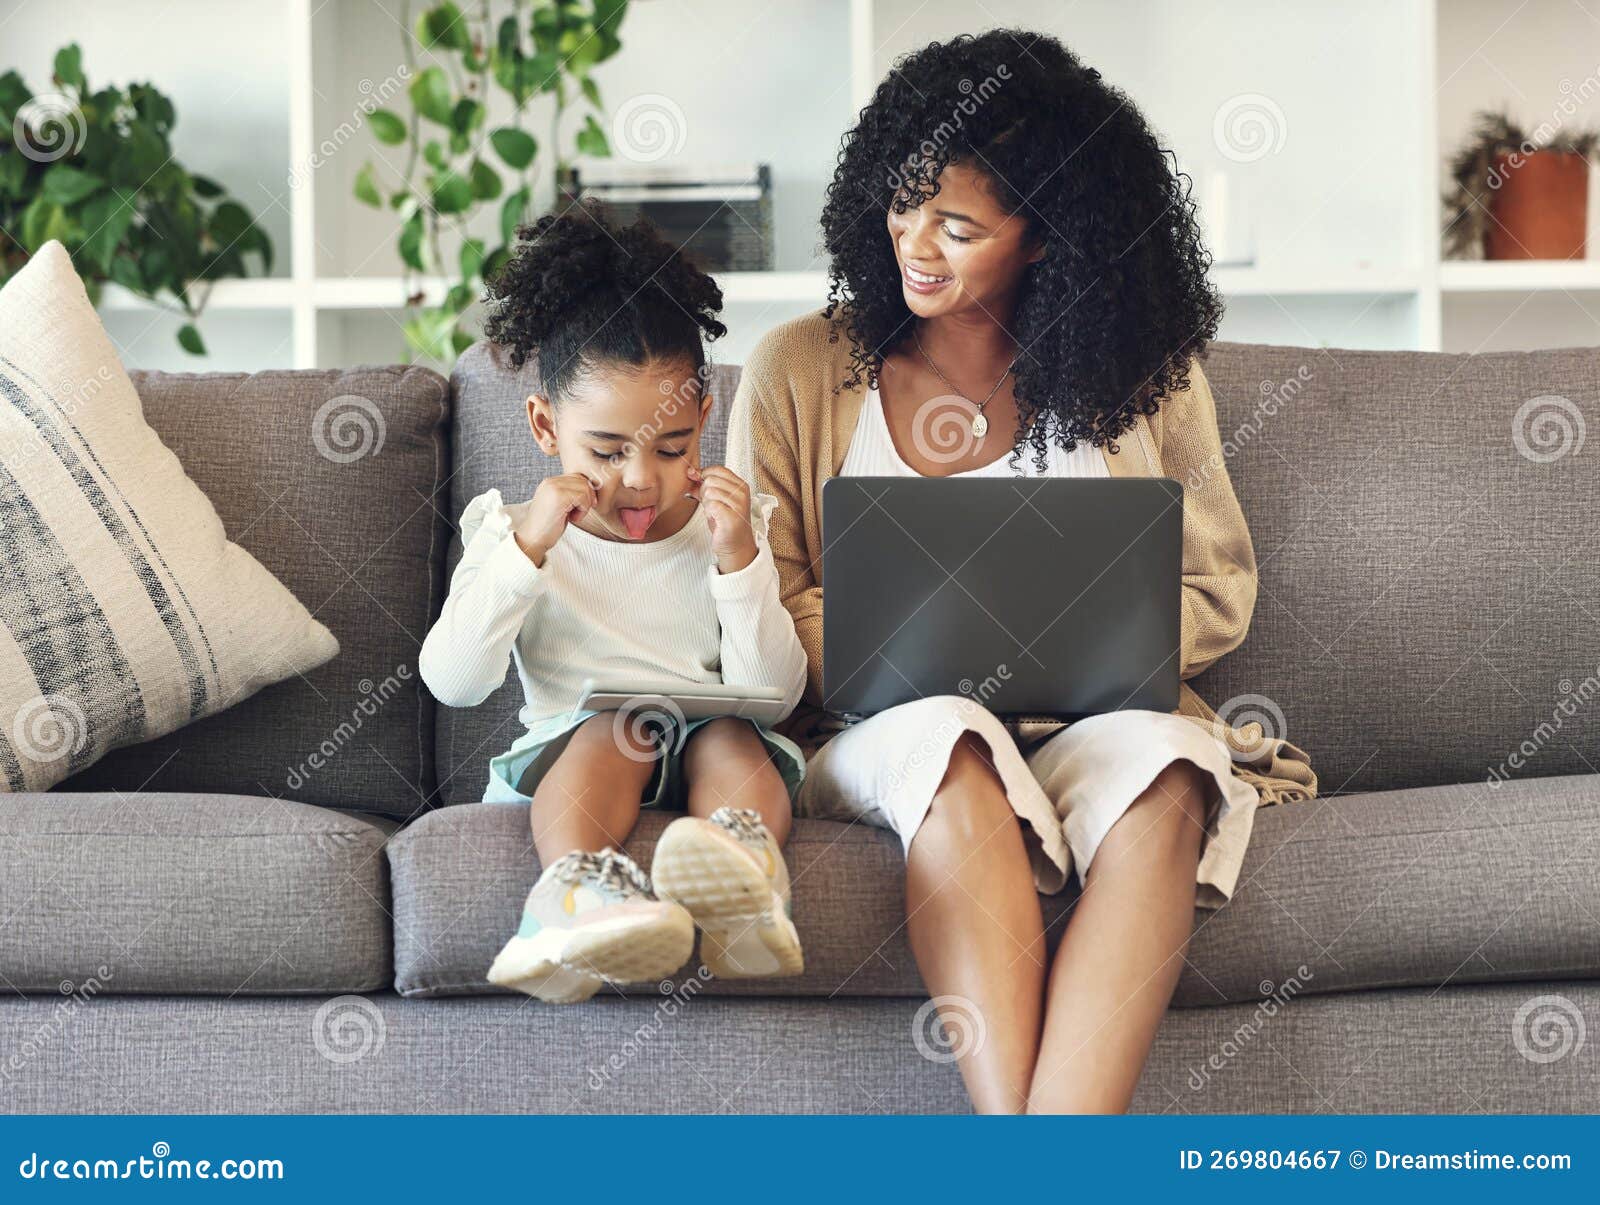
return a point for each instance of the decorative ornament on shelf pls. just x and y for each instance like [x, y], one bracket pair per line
[455, 166]
[94, 170]
[1518, 198]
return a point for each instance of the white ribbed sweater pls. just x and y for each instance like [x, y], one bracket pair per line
[657, 611]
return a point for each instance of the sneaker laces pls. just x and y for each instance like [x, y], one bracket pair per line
[609, 868]
[743, 823]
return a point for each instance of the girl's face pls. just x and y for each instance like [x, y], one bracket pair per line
[634, 432]
[959, 251]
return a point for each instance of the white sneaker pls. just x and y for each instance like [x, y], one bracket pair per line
[730, 875]
[591, 919]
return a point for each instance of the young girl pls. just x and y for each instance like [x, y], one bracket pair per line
[633, 562]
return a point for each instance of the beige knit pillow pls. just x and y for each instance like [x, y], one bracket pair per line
[125, 611]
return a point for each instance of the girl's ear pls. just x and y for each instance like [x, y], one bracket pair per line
[542, 422]
[706, 404]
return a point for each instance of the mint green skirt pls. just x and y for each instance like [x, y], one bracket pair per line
[515, 774]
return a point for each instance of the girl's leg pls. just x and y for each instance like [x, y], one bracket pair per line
[589, 799]
[1122, 952]
[726, 764]
[565, 950]
[733, 880]
[973, 917]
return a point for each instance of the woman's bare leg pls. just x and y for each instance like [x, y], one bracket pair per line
[1123, 950]
[973, 917]
[727, 764]
[590, 798]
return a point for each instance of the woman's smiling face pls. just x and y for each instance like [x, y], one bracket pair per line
[960, 251]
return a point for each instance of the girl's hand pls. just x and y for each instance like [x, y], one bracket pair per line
[727, 502]
[557, 501]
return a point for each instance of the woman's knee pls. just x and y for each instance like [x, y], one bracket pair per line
[971, 799]
[971, 760]
[1183, 789]
[1176, 801]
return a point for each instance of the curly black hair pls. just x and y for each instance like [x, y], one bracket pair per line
[578, 294]
[1108, 320]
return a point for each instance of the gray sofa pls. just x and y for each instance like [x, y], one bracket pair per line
[290, 906]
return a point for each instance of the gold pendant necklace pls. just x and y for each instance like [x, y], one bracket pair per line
[980, 424]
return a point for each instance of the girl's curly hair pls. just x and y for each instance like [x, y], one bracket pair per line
[1107, 322]
[578, 293]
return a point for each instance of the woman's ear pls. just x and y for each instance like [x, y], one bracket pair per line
[542, 422]
[1037, 252]
[706, 403]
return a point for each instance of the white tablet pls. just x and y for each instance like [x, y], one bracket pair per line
[692, 701]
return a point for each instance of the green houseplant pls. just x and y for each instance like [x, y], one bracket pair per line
[94, 169]
[456, 164]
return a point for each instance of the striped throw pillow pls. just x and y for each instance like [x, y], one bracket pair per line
[125, 610]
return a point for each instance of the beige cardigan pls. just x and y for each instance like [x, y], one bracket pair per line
[788, 432]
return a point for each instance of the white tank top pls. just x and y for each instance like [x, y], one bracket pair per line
[872, 453]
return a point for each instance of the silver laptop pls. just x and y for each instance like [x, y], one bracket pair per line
[1037, 597]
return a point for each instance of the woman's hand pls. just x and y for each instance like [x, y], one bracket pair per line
[557, 501]
[727, 502]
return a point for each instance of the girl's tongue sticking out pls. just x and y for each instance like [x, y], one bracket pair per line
[637, 520]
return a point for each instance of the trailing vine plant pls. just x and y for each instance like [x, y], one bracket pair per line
[456, 165]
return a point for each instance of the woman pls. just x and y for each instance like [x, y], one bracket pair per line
[1014, 263]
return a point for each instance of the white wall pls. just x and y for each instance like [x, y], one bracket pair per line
[1373, 94]
[1340, 187]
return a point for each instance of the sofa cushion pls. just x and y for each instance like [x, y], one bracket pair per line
[1414, 888]
[1425, 887]
[461, 874]
[494, 448]
[125, 611]
[222, 894]
[1426, 548]
[333, 480]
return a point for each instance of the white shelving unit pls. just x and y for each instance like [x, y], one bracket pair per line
[379, 292]
[1366, 100]
[1520, 276]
